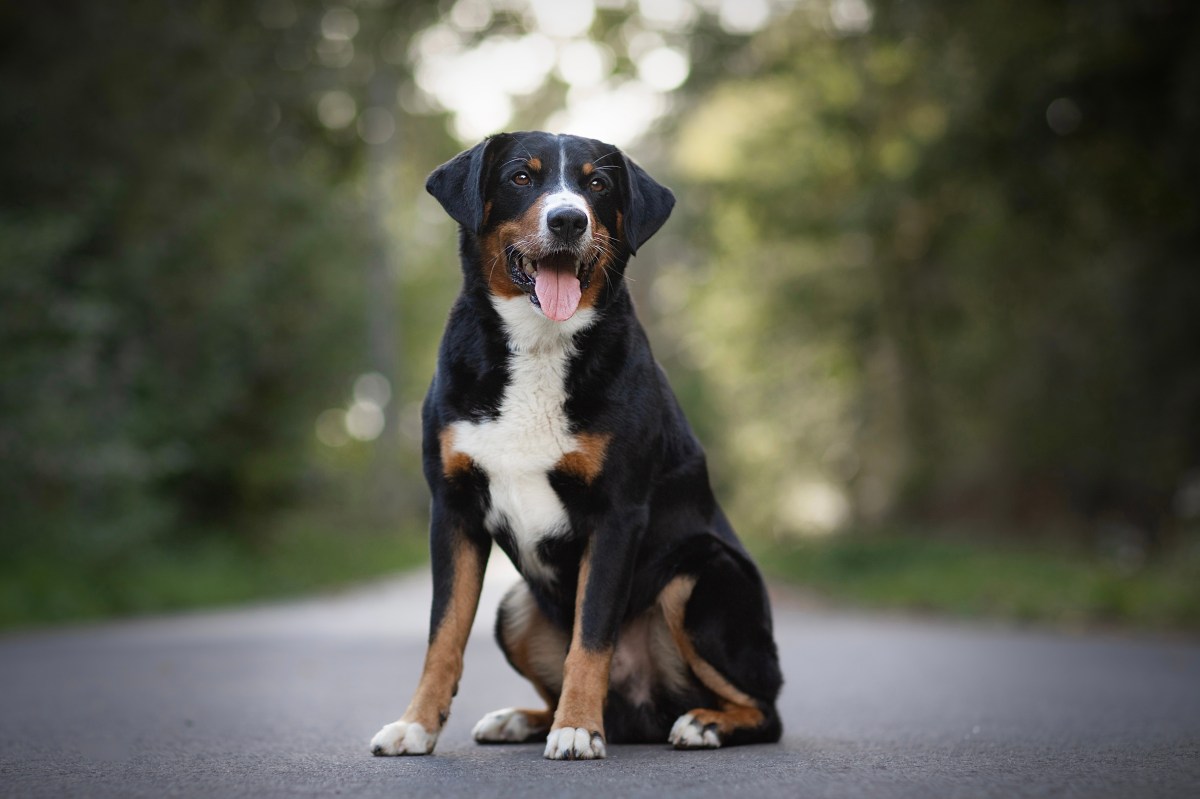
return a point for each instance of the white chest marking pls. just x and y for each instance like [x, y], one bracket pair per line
[519, 448]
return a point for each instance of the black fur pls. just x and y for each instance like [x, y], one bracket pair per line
[650, 514]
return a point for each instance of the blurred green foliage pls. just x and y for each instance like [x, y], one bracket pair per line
[948, 265]
[989, 578]
[181, 272]
[933, 267]
[308, 552]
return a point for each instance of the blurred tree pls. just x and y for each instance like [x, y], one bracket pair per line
[953, 261]
[182, 250]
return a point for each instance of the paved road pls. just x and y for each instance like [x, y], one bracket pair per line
[282, 700]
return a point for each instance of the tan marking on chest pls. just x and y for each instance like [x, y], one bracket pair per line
[454, 463]
[586, 461]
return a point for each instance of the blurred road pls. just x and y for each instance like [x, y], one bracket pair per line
[282, 700]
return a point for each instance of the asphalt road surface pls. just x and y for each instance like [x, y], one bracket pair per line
[282, 701]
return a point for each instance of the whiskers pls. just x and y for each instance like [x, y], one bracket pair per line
[503, 254]
[604, 255]
[605, 247]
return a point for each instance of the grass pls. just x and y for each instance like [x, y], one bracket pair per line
[976, 578]
[302, 556]
[972, 579]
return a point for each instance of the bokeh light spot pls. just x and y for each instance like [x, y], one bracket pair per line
[364, 421]
[851, 16]
[743, 16]
[664, 68]
[374, 388]
[673, 15]
[339, 24]
[471, 15]
[336, 109]
[1063, 116]
[563, 19]
[584, 63]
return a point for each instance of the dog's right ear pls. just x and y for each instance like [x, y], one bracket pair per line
[459, 183]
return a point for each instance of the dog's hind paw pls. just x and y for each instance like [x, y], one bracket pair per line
[510, 725]
[574, 743]
[403, 738]
[688, 733]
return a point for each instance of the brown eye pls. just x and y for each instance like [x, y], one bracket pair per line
[597, 184]
[521, 178]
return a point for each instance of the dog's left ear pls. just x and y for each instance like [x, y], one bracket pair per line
[647, 206]
[459, 183]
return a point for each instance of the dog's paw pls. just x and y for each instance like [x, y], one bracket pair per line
[574, 743]
[688, 733]
[403, 738]
[508, 725]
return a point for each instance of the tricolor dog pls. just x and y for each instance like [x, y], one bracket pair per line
[550, 430]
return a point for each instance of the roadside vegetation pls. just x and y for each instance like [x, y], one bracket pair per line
[302, 556]
[990, 578]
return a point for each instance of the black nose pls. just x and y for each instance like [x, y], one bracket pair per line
[567, 224]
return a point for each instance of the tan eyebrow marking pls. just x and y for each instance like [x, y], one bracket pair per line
[589, 168]
[535, 164]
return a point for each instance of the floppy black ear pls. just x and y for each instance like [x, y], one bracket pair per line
[458, 184]
[647, 208]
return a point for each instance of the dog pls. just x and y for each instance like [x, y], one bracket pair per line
[550, 430]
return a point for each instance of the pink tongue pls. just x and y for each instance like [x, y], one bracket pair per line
[557, 288]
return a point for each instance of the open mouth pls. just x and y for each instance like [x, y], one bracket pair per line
[554, 281]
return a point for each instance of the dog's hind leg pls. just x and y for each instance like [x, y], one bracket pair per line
[536, 649]
[721, 623]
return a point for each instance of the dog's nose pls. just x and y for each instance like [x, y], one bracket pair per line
[567, 224]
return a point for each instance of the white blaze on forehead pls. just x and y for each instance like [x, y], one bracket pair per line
[564, 196]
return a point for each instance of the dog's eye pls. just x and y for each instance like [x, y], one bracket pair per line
[521, 178]
[598, 184]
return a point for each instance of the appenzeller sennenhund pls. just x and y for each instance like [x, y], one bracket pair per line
[550, 430]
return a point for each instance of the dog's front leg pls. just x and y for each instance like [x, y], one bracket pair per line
[604, 576]
[458, 562]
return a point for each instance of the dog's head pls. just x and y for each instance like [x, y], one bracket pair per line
[554, 217]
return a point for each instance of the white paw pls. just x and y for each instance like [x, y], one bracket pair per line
[508, 725]
[687, 733]
[574, 743]
[403, 738]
